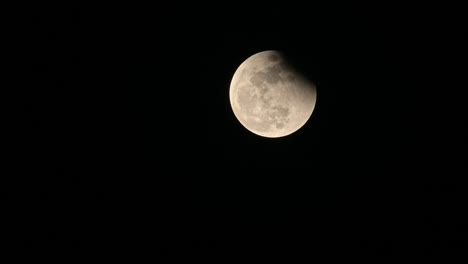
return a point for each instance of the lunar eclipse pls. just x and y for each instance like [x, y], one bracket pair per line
[270, 97]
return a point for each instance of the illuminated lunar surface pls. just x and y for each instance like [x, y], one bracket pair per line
[269, 97]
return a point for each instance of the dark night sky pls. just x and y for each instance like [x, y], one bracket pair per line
[375, 169]
[133, 127]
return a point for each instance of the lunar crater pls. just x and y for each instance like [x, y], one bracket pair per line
[273, 57]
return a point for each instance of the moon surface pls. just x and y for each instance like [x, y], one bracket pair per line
[269, 97]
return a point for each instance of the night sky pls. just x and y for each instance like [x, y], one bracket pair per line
[132, 128]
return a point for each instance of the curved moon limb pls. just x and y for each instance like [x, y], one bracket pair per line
[269, 97]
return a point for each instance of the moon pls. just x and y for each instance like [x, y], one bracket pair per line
[269, 97]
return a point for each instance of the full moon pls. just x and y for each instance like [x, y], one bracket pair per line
[269, 97]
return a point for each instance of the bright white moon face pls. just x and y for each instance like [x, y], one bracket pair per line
[269, 97]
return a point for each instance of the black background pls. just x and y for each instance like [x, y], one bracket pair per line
[129, 142]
